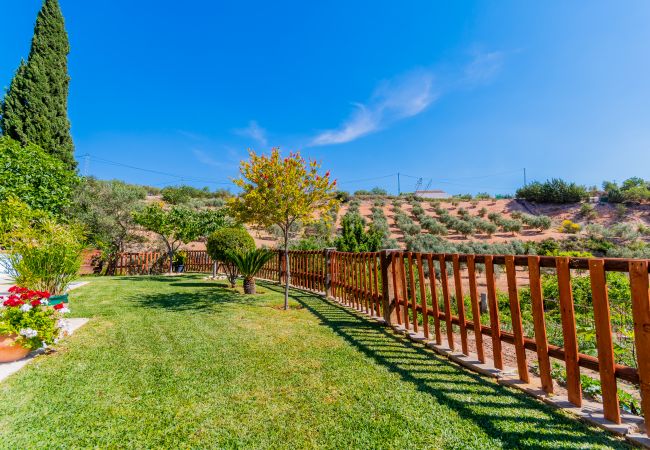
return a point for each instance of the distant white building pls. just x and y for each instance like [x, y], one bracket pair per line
[432, 194]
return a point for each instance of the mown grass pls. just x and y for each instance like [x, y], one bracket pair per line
[183, 362]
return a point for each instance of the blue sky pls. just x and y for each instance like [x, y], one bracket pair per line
[465, 94]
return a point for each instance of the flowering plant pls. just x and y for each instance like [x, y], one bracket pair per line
[26, 315]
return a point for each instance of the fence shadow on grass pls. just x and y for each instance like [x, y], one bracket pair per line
[471, 396]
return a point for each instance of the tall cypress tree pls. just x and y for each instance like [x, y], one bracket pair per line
[35, 108]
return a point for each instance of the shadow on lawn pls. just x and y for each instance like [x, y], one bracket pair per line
[209, 298]
[494, 408]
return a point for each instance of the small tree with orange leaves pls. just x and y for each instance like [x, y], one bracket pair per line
[282, 191]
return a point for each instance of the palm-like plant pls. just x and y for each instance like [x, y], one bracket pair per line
[249, 263]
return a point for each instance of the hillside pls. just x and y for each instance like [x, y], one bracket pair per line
[603, 214]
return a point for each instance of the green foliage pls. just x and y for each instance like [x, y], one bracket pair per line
[178, 195]
[433, 226]
[354, 236]
[179, 224]
[252, 261]
[482, 212]
[435, 244]
[633, 189]
[342, 196]
[249, 263]
[552, 191]
[16, 215]
[106, 209]
[540, 223]
[225, 242]
[46, 257]
[35, 109]
[33, 176]
[588, 211]
[484, 226]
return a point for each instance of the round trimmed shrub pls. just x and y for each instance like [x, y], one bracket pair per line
[226, 240]
[229, 240]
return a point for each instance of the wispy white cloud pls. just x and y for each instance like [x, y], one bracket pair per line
[206, 159]
[406, 96]
[484, 67]
[392, 100]
[255, 132]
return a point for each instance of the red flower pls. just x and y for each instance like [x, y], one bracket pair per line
[13, 301]
[59, 306]
[35, 303]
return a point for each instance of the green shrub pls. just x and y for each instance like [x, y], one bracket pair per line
[35, 177]
[355, 237]
[588, 211]
[482, 212]
[511, 226]
[539, 222]
[226, 241]
[484, 226]
[552, 191]
[495, 218]
[433, 226]
[46, 257]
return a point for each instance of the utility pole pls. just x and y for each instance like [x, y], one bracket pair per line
[86, 164]
[399, 190]
[524, 176]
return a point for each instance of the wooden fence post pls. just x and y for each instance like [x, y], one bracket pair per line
[328, 270]
[388, 300]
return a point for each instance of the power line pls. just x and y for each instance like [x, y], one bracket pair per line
[157, 172]
[368, 179]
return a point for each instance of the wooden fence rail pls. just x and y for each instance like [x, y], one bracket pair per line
[467, 298]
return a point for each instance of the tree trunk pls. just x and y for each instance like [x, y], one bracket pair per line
[249, 285]
[287, 279]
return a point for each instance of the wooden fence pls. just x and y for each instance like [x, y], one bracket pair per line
[441, 296]
[148, 263]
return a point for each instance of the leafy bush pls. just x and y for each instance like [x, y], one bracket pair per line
[495, 218]
[433, 226]
[539, 222]
[342, 196]
[177, 195]
[588, 211]
[226, 241]
[105, 209]
[37, 178]
[569, 226]
[484, 226]
[482, 212]
[553, 191]
[355, 238]
[46, 257]
[511, 226]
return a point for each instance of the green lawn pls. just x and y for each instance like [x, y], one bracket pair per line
[184, 362]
